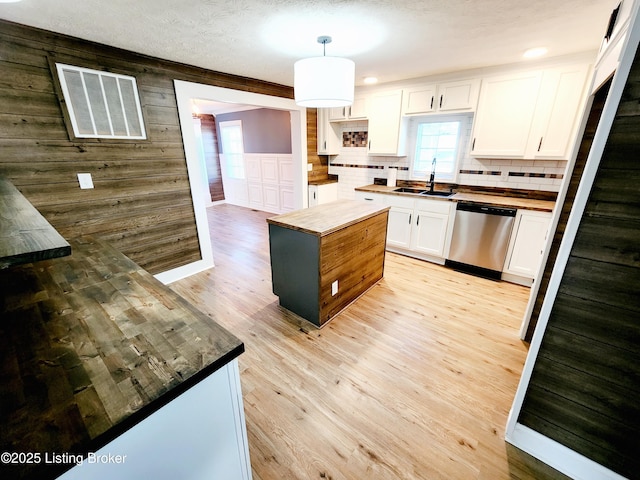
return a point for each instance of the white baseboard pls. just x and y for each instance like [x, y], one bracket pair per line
[558, 456]
[179, 273]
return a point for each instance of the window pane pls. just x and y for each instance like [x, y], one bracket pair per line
[437, 140]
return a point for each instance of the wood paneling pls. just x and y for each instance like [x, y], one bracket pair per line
[320, 170]
[585, 383]
[212, 156]
[141, 201]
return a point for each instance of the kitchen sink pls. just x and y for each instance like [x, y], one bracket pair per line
[422, 191]
[417, 191]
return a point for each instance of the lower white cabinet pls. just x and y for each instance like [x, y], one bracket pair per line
[526, 245]
[324, 193]
[420, 226]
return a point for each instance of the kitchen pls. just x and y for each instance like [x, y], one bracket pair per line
[51, 143]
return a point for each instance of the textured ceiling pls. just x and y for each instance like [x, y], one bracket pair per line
[390, 39]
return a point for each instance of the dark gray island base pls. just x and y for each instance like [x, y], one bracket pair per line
[90, 346]
[324, 257]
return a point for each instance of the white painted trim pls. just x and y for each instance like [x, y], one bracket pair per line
[582, 195]
[185, 91]
[184, 271]
[235, 388]
[558, 456]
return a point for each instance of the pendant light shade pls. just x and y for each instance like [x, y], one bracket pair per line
[323, 82]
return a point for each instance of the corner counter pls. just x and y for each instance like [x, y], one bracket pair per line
[324, 257]
[93, 346]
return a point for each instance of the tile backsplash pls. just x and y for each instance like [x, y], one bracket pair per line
[355, 168]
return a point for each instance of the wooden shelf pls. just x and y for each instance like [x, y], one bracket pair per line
[25, 235]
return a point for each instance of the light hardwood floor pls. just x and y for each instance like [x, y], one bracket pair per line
[413, 381]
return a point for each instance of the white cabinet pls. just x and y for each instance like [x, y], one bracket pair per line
[419, 227]
[386, 127]
[530, 114]
[356, 111]
[324, 193]
[557, 112]
[460, 96]
[328, 134]
[527, 244]
[429, 233]
[377, 198]
[505, 112]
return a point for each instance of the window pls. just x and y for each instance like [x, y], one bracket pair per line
[101, 104]
[439, 138]
[232, 148]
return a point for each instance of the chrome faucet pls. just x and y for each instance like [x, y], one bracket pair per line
[433, 175]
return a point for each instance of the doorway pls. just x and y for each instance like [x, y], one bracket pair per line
[185, 91]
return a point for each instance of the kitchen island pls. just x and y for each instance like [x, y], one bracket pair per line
[100, 361]
[324, 257]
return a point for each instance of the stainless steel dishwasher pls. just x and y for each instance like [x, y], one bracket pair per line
[480, 239]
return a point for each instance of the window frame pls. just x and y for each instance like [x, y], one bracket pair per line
[463, 121]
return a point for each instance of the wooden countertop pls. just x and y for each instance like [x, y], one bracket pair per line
[484, 198]
[327, 218]
[25, 235]
[90, 345]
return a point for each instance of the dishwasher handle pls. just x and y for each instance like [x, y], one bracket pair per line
[486, 209]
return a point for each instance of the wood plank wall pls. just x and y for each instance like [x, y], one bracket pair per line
[212, 156]
[141, 202]
[586, 381]
[320, 170]
[581, 159]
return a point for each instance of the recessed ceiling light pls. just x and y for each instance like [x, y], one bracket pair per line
[10, 1]
[535, 52]
[370, 80]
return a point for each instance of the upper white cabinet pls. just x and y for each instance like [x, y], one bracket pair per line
[386, 127]
[356, 111]
[505, 112]
[460, 96]
[557, 112]
[530, 114]
[328, 134]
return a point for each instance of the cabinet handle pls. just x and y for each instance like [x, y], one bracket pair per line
[349, 111]
[418, 221]
[344, 112]
[368, 199]
[325, 144]
[431, 107]
[473, 145]
[369, 144]
[440, 101]
[410, 218]
[540, 144]
[314, 195]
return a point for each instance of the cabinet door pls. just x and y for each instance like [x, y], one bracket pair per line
[337, 114]
[328, 136]
[557, 112]
[527, 243]
[384, 124]
[419, 99]
[429, 233]
[313, 195]
[505, 114]
[358, 110]
[399, 227]
[461, 95]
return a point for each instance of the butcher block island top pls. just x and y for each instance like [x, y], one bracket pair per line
[324, 257]
[327, 218]
[91, 344]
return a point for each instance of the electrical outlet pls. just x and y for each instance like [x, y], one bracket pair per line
[309, 166]
[85, 181]
[334, 288]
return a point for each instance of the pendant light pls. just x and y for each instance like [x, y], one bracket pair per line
[323, 82]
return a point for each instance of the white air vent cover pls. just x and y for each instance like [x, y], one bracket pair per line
[101, 104]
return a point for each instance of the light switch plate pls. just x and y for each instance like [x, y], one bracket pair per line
[334, 288]
[85, 181]
[309, 166]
